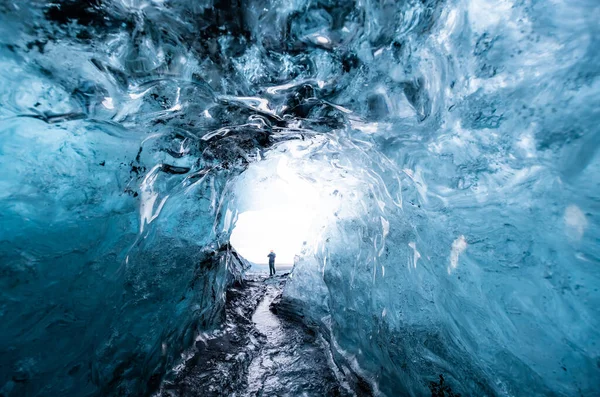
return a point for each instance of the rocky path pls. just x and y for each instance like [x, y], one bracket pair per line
[257, 353]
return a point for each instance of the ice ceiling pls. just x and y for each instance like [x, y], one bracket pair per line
[456, 140]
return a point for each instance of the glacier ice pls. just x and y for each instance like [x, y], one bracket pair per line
[484, 267]
[456, 143]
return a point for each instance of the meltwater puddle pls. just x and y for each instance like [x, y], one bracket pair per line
[257, 352]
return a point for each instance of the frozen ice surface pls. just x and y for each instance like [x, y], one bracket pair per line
[456, 143]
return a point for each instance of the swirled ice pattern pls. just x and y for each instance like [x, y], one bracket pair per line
[458, 139]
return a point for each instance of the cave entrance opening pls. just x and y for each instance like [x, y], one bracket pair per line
[282, 205]
[283, 230]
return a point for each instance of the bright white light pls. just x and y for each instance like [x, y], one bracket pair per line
[575, 222]
[322, 40]
[278, 210]
[290, 198]
[282, 230]
[108, 103]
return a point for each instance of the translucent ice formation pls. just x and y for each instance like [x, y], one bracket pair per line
[476, 255]
[456, 143]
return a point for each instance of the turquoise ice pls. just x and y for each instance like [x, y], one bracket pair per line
[454, 142]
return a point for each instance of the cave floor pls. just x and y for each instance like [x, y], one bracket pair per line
[257, 353]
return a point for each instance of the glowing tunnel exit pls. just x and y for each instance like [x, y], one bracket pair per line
[281, 208]
[283, 230]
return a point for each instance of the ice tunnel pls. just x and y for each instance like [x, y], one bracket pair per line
[450, 148]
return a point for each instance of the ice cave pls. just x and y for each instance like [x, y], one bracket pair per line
[437, 159]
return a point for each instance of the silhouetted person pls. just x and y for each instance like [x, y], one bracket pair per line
[271, 263]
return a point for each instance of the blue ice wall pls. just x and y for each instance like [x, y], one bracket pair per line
[115, 219]
[469, 130]
[97, 296]
[476, 253]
